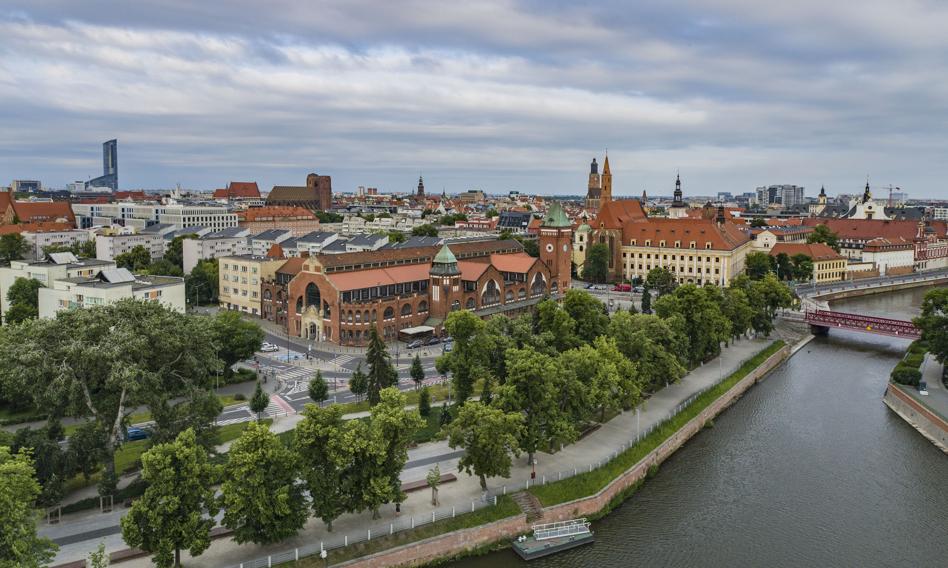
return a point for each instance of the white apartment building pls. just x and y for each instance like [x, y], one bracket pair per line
[58, 266]
[940, 213]
[141, 214]
[261, 243]
[41, 239]
[107, 247]
[229, 242]
[109, 286]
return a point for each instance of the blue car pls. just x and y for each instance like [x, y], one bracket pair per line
[137, 434]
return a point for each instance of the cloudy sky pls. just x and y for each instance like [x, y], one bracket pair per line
[493, 94]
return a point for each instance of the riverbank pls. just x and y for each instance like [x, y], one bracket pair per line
[602, 488]
[919, 412]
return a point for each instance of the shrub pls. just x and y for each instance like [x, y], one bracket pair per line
[240, 396]
[914, 360]
[906, 375]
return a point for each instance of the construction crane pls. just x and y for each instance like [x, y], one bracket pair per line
[891, 187]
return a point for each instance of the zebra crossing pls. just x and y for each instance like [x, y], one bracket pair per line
[277, 407]
[341, 360]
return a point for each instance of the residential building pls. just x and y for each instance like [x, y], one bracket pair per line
[297, 220]
[274, 291]
[40, 239]
[891, 257]
[53, 267]
[107, 247]
[26, 186]
[263, 242]
[828, 265]
[13, 211]
[314, 243]
[316, 195]
[109, 286]
[190, 215]
[226, 242]
[140, 215]
[240, 279]
[786, 195]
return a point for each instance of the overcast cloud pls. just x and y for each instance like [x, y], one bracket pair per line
[493, 94]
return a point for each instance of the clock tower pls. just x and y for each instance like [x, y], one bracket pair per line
[556, 243]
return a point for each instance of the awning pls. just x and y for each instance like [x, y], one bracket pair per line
[417, 330]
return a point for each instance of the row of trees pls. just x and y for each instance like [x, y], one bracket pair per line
[269, 489]
[797, 267]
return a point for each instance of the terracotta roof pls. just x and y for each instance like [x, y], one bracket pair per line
[726, 236]
[276, 251]
[462, 250]
[35, 228]
[6, 197]
[614, 214]
[343, 281]
[275, 213]
[243, 189]
[866, 229]
[882, 243]
[40, 211]
[472, 270]
[292, 265]
[293, 193]
[520, 263]
[816, 251]
[133, 195]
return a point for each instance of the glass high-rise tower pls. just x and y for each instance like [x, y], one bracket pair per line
[109, 177]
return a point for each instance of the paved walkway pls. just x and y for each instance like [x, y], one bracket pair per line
[937, 398]
[598, 446]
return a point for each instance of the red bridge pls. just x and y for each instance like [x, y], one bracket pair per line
[822, 320]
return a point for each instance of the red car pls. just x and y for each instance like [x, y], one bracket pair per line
[622, 288]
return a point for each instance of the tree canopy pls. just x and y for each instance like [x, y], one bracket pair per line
[23, 300]
[823, 234]
[489, 436]
[13, 246]
[596, 267]
[20, 545]
[933, 322]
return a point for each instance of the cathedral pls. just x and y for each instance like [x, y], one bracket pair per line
[599, 190]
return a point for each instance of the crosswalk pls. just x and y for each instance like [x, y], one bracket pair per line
[277, 407]
[341, 360]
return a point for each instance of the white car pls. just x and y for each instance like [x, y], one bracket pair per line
[269, 348]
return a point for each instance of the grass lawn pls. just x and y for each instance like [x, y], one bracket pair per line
[438, 393]
[505, 508]
[586, 484]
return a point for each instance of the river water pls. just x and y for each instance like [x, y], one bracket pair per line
[809, 468]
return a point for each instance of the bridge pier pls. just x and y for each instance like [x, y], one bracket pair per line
[819, 329]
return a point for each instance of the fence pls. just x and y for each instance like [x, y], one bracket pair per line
[490, 498]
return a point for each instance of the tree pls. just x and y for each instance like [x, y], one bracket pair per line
[238, 339]
[366, 482]
[756, 223]
[359, 383]
[51, 463]
[425, 230]
[178, 507]
[823, 234]
[434, 479]
[136, 259]
[201, 285]
[660, 280]
[758, 264]
[417, 371]
[318, 389]
[468, 358]
[20, 545]
[13, 246]
[324, 460]
[505, 234]
[381, 373]
[491, 213]
[84, 249]
[175, 252]
[765, 296]
[596, 267]
[396, 237]
[784, 266]
[262, 498]
[652, 343]
[530, 246]
[604, 380]
[163, 267]
[489, 436]
[802, 267]
[98, 558]
[424, 402]
[589, 313]
[23, 300]
[704, 324]
[103, 362]
[933, 322]
[259, 401]
[533, 389]
[396, 426]
[555, 326]
[646, 301]
[737, 308]
[85, 449]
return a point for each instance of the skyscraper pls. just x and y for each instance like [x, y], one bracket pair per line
[109, 177]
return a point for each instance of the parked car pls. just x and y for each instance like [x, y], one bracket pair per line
[923, 388]
[269, 348]
[433, 341]
[447, 339]
[638, 289]
[622, 288]
[416, 344]
[448, 347]
[600, 287]
[137, 434]
[590, 286]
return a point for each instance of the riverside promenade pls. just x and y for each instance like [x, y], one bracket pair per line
[465, 493]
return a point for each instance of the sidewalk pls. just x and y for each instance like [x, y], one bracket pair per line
[595, 448]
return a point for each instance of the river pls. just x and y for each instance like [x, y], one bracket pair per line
[809, 468]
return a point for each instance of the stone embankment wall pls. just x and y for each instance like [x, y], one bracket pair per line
[458, 542]
[879, 289]
[929, 424]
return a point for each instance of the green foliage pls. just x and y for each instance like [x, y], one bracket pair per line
[23, 300]
[823, 234]
[19, 543]
[488, 436]
[417, 372]
[933, 322]
[757, 223]
[530, 246]
[802, 267]
[784, 266]
[658, 347]
[263, 500]
[555, 326]
[328, 217]
[325, 460]
[318, 389]
[202, 283]
[661, 281]
[906, 375]
[175, 252]
[237, 338]
[163, 267]
[424, 402]
[704, 324]
[13, 246]
[359, 383]
[589, 313]
[646, 301]
[396, 426]
[135, 260]
[758, 264]
[85, 249]
[450, 220]
[381, 372]
[396, 237]
[259, 401]
[98, 558]
[425, 230]
[491, 213]
[505, 235]
[596, 267]
[178, 507]
[467, 359]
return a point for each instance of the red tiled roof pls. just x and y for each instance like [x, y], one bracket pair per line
[882, 243]
[471, 270]
[816, 251]
[6, 197]
[276, 251]
[275, 213]
[614, 214]
[35, 228]
[292, 266]
[343, 281]
[726, 236]
[865, 229]
[41, 211]
[238, 189]
[520, 263]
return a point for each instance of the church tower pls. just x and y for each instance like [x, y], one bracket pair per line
[445, 283]
[678, 207]
[821, 200]
[594, 187]
[605, 195]
[421, 188]
[556, 239]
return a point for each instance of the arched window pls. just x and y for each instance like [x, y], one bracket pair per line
[299, 305]
[365, 316]
[406, 310]
[389, 313]
[326, 311]
[455, 305]
[267, 295]
[554, 287]
[358, 317]
[509, 296]
[522, 294]
[349, 317]
[422, 306]
[491, 294]
[470, 303]
[375, 315]
[539, 285]
[312, 295]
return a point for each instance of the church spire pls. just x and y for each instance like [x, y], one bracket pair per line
[421, 187]
[605, 166]
[677, 201]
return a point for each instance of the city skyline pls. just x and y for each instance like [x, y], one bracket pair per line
[500, 95]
